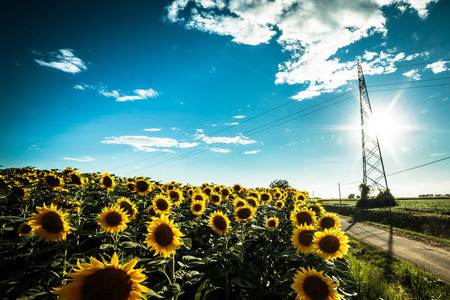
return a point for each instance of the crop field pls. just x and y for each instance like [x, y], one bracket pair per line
[97, 236]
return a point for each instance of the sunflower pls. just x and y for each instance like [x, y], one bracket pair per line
[302, 238]
[254, 194]
[272, 223]
[279, 204]
[244, 213]
[277, 194]
[143, 187]
[317, 208]
[207, 190]
[107, 182]
[20, 192]
[50, 223]
[199, 196]
[219, 222]
[217, 188]
[265, 197]
[309, 284]
[70, 206]
[225, 192]
[198, 207]
[176, 196]
[162, 204]
[303, 216]
[113, 219]
[52, 181]
[300, 196]
[329, 220]
[237, 188]
[127, 207]
[24, 228]
[163, 236]
[331, 243]
[97, 280]
[76, 179]
[152, 213]
[215, 198]
[67, 171]
[238, 202]
[253, 202]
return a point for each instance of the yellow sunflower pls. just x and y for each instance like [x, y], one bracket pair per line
[113, 219]
[107, 182]
[198, 207]
[244, 213]
[199, 196]
[254, 194]
[309, 284]
[331, 243]
[219, 222]
[303, 216]
[152, 213]
[20, 192]
[217, 188]
[77, 179]
[128, 207]
[329, 220]
[301, 197]
[225, 192]
[253, 202]
[207, 190]
[302, 238]
[265, 197]
[272, 223]
[238, 202]
[279, 204]
[163, 236]
[237, 188]
[215, 198]
[97, 280]
[143, 187]
[24, 228]
[162, 204]
[317, 208]
[52, 181]
[131, 186]
[50, 223]
[176, 196]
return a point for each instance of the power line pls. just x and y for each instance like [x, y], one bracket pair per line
[412, 81]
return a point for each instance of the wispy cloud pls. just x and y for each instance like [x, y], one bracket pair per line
[308, 32]
[63, 60]
[239, 117]
[220, 150]
[239, 139]
[231, 124]
[80, 159]
[438, 154]
[413, 74]
[147, 143]
[152, 129]
[438, 67]
[139, 94]
[252, 152]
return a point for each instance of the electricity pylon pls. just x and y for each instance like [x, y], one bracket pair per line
[373, 166]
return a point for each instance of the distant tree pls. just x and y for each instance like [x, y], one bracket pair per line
[351, 196]
[281, 183]
[363, 202]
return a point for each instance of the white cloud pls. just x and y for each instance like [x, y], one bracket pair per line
[239, 117]
[252, 152]
[231, 124]
[152, 129]
[147, 143]
[219, 150]
[438, 154]
[80, 159]
[187, 145]
[237, 140]
[413, 74]
[311, 32]
[438, 67]
[117, 94]
[64, 61]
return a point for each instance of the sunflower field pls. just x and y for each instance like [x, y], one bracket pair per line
[72, 235]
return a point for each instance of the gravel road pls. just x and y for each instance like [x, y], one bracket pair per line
[434, 260]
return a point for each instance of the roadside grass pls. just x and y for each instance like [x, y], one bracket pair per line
[380, 276]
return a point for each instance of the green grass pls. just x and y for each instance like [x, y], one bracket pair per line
[380, 276]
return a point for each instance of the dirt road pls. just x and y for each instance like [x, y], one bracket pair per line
[433, 260]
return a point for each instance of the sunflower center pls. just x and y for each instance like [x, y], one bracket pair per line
[225, 192]
[163, 235]
[329, 244]
[265, 197]
[127, 208]
[75, 179]
[162, 204]
[272, 223]
[52, 222]
[220, 223]
[327, 223]
[52, 180]
[26, 229]
[215, 198]
[240, 204]
[130, 186]
[315, 288]
[315, 209]
[304, 217]
[244, 213]
[107, 181]
[197, 207]
[113, 219]
[108, 284]
[279, 204]
[142, 186]
[198, 197]
[207, 191]
[251, 202]
[18, 191]
[305, 239]
[174, 195]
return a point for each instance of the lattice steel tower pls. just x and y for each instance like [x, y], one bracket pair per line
[373, 167]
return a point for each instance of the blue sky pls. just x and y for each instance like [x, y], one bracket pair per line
[227, 92]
